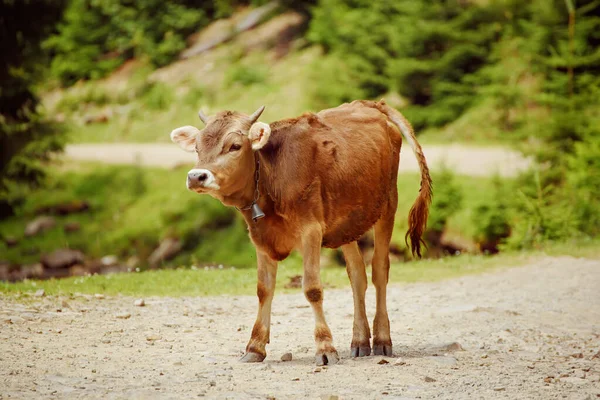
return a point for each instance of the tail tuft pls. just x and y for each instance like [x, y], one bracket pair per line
[419, 212]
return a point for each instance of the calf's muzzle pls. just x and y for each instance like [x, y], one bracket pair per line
[201, 178]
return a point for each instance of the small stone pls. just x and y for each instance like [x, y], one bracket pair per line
[499, 389]
[40, 293]
[14, 320]
[430, 379]
[454, 346]
[577, 355]
[123, 315]
[139, 303]
[99, 296]
[178, 363]
[383, 361]
[151, 338]
[484, 356]
[286, 357]
[317, 369]
[295, 379]
[213, 383]
[399, 362]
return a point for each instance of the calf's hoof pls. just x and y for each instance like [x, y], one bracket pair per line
[360, 351]
[327, 358]
[251, 357]
[382, 350]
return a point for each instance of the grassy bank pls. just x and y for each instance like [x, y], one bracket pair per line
[201, 282]
[131, 209]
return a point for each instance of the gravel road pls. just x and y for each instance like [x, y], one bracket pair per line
[464, 160]
[523, 332]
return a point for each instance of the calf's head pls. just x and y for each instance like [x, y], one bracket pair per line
[225, 149]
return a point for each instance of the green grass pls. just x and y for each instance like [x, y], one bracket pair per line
[133, 208]
[200, 282]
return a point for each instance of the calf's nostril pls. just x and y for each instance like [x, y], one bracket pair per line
[202, 177]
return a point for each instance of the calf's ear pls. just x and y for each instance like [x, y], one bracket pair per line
[259, 135]
[185, 137]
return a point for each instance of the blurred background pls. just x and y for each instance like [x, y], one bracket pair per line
[90, 90]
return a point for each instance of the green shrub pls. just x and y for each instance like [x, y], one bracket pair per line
[158, 96]
[491, 218]
[245, 75]
[96, 36]
[447, 200]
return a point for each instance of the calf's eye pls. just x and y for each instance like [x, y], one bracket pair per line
[235, 147]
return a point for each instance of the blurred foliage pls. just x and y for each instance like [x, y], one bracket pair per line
[492, 218]
[27, 138]
[96, 36]
[447, 200]
[523, 72]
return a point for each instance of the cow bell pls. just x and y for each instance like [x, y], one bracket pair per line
[257, 213]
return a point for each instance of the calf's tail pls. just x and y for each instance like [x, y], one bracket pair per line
[417, 217]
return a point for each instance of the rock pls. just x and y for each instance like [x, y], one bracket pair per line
[286, 357]
[32, 271]
[69, 207]
[256, 16]
[597, 355]
[11, 241]
[40, 293]
[62, 258]
[77, 270]
[153, 337]
[139, 303]
[383, 361]
[445, 348]
[108, 261]
[167, 249]
[132, 262]
[318, 369]
[100, 118]
[295, 282]
[430, 379]
[499, 389]
[123, 315]
[40, 225]
[14, 319]
[72, 227]
[399, 362]
[99, 296]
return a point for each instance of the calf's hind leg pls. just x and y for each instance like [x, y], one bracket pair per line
[355, 266]
[382, 341]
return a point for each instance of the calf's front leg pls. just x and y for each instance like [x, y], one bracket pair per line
[265, 289]
[313, 290]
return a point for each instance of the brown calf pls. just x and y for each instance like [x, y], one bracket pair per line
[321, 180]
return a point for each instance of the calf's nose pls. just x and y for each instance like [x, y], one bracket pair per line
[197, 176]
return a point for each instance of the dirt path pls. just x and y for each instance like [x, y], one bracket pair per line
[473, 161]
[527, 332]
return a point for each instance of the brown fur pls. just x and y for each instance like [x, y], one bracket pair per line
[314, 295]
[325, 179]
